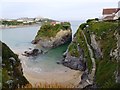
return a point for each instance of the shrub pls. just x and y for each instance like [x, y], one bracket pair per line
[82, 26]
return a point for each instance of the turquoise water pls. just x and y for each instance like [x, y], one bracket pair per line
[17, 38]
[47, 62]
[20, 39]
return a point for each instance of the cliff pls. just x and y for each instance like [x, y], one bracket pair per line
[12, 75]
[94, 50]
[52, 35]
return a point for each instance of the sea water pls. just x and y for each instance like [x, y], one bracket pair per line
[19, 40]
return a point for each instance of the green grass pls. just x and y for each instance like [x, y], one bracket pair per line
[100, 27]
[105, 73]
[73, 50]
[15, 22]
[11, 23]
[47, 30]
[5, 75]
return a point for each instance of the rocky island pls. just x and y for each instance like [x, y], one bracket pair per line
[53, 34]
[95, 50]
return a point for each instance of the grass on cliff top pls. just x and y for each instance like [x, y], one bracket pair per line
[105, 74]
[106, 67]
[48, 30]
[101, 27]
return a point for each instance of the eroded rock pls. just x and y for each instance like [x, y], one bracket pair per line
[33, 52]
[96, 47]
[76, 63]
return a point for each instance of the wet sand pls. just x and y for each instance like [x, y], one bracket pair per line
[66, 76]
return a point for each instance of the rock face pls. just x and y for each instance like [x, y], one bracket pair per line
[96, 47]
[12, 75]
[59, 34]
[76, 63]
[33, 52]
[101, 37]
[61, 37]
[118, 56]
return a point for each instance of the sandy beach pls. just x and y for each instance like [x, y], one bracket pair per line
[66, 76]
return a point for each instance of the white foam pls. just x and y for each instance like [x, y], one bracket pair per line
[38, 70]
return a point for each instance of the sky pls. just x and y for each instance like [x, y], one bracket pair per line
[55, 9]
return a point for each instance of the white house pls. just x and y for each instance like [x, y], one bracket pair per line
[9, 20]
[26, 20]
[58, 22]
[20, 20]
[111, 13]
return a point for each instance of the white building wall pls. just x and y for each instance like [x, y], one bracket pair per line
[117, 15]
[107, 15]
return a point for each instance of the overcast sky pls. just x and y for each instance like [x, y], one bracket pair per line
[55, 9]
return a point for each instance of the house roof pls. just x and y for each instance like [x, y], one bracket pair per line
[110, 11]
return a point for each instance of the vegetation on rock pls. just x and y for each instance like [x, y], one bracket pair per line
[79, 39]
[53, 34]
[106, 66]
[105, 35]
[12, 75]
[48, 30]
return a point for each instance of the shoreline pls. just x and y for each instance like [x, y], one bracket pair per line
[17, 26]
[64, 77]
